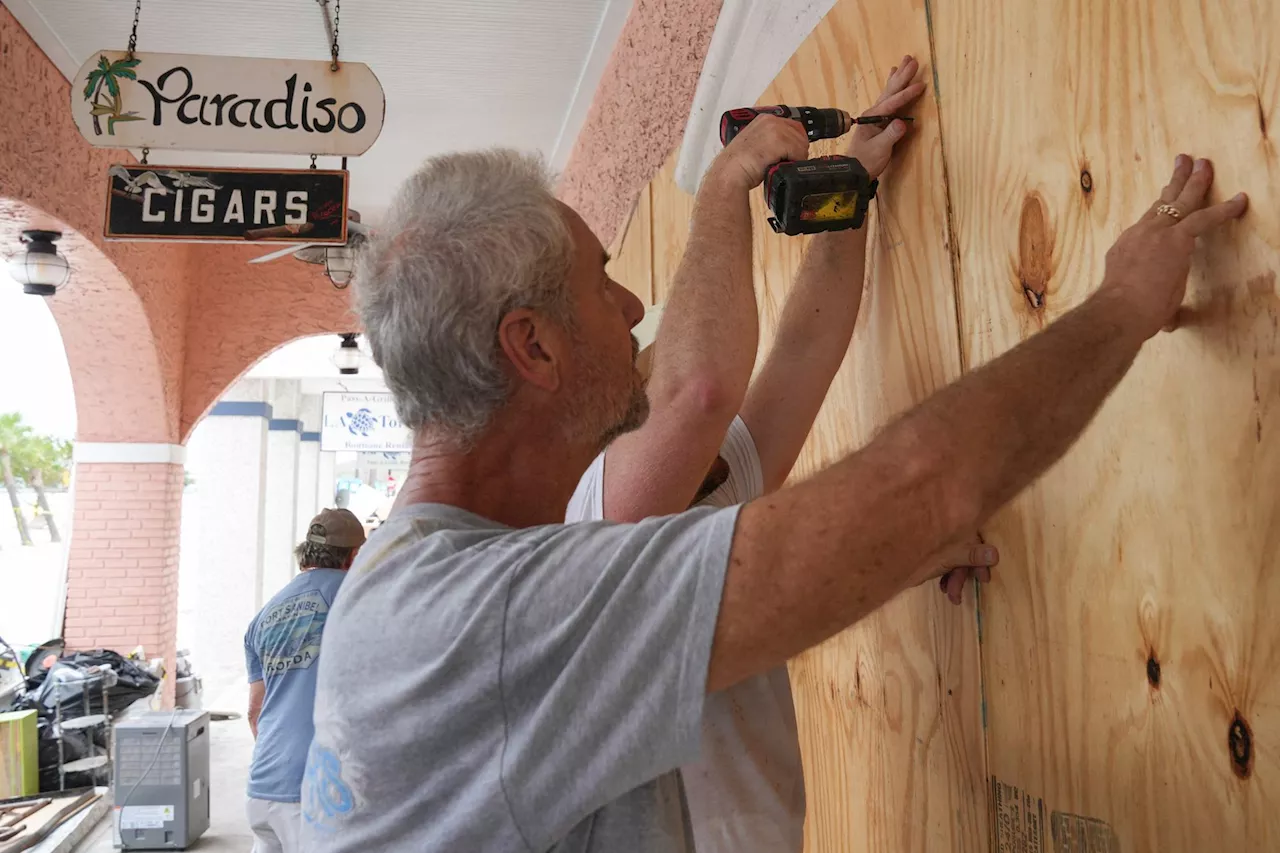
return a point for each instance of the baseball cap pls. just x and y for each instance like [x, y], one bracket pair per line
[337, 527]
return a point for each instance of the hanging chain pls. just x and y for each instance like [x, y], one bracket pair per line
[133, 34]
[337, 15]
[145, 152]
[313, 161]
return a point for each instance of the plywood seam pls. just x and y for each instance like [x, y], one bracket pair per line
[653, 287]
[953, 252]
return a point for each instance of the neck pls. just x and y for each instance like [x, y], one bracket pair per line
[515, 474]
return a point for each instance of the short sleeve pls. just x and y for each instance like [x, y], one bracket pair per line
[251, 661]
[587, 503]
[746, 478]
[606, 644]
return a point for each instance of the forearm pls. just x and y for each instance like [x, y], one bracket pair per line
[811, 560]
[813, 336]
[709, 331]
[254, 713]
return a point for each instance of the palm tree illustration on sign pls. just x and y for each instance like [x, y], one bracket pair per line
[107, 76]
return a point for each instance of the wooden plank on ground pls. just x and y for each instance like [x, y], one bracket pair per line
[1130, 641]
[890, 710]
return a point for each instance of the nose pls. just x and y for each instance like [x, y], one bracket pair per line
[632, 307]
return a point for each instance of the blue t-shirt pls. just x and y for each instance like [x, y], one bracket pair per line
[282, 647]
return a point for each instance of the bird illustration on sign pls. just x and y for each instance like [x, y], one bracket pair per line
[106, 75]
[135, 185]
[184, 180]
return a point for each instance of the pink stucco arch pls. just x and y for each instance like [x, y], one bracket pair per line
[153, 332]
[115, 364]
[204, 314]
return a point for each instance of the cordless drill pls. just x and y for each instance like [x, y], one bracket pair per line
[811, 196]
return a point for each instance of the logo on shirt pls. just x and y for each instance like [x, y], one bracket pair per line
[289, 633]
[325, 795]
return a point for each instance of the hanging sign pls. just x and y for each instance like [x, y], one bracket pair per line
[197, 203]
[226, 103]
[365, 423]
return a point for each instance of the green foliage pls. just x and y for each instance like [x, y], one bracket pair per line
[30, 452]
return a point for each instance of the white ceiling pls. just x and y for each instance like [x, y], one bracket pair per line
[458, 74]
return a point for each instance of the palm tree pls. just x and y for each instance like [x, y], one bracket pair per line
[105, 76]
[13, 434]
[44, 458]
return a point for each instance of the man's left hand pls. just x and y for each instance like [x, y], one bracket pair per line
[956, 565]
[872, 144]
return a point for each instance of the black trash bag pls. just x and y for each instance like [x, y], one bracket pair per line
[74, 675]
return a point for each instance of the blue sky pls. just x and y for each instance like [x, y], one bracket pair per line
[34, 377]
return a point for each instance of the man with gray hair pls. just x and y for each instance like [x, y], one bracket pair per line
[549, 678]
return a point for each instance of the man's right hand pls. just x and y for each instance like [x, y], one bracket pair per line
[1148, 265]
[768, 139]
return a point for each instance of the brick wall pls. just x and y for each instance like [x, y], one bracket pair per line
[122, 571]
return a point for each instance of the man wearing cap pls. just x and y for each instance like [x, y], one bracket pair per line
[281, 651]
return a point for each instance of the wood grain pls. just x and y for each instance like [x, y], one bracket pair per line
[1129, 642]
[632, 263]
[672, 214]
[890, 710]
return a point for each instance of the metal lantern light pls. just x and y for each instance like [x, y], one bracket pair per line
[339, 263]
[39, 268]
[347, 358]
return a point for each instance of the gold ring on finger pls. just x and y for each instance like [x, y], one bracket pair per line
[1170, 211]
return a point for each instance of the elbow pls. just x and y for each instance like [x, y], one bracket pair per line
[950, 492]
[700, 399]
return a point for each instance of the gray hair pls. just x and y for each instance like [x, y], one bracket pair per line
[469, 237]
[312, 555]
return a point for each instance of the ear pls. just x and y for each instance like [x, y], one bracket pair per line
[531, 343]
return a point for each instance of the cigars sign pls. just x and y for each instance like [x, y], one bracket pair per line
[225, 103]
[183, 204]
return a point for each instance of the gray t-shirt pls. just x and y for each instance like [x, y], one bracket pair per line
[484, 688]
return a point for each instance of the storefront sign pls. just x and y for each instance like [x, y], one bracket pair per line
[188, 203]
[363, 422]
[226, 103]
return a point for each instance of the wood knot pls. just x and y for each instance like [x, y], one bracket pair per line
[1240, 745]
[1035, 251]
[1086, 181]
[1153, 670]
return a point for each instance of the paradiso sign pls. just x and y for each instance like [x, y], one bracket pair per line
[226, 103]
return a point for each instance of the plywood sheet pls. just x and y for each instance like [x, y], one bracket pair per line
[632, 263]
[672, 214]
[890, 711]
[1130, 641]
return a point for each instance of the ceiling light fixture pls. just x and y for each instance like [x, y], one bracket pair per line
[339, 263]
[347, 358]
[39, 268]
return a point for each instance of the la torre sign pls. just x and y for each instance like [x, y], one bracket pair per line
[226, 103]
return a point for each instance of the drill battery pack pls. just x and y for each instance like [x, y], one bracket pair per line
[812, 196]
